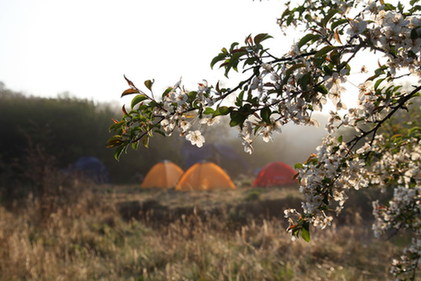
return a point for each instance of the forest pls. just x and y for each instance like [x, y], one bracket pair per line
[58, 131]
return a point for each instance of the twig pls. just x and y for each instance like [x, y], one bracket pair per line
[374, 130]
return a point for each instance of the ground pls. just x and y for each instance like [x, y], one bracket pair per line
[126, 233]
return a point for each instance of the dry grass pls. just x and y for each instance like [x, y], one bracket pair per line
[88, 240]
[171, 197]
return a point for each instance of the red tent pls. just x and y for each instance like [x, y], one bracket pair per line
[275, 174]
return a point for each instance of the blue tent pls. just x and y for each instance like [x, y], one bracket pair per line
[90, 168]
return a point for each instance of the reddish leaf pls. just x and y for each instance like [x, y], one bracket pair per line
[129, 82]
[292, 227]
[217, 87]
[124, 110]
[248, 40]
[129, 92]
[337, 37]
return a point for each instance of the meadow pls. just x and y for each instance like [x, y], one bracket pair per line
[110, 232]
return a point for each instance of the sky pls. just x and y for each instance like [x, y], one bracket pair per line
[84, 47]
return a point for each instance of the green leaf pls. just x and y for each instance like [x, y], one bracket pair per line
[298, 166]
[208, 110]
[378, 82]
[328, 69]
[233, 45]
[338, 23]
[261, 37]
[119, 151]
[218, 58]
[416, 33]
[307, 38]
[235, 59]
[322, 89]
[116, 126]
[191, 96]
[414, 131]
[250, 61]
[160, 132]
[222, 110]
[327, 18]
[304, 80]
[324, 51]
[379, 71]
[305, 232]
[318, 62]
[239, 99]
[145, 141]
[237, 118]
[135, 145]
[165, 93]
[400, 7]
[148, 84]
[335, 57]
[265, 114]
[114, 141]
[290, 19]
[137, 99]
[389, 7]
[346, 66]
[340, 139]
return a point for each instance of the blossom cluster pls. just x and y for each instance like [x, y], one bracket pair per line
[266, 131]
[393, 33]
[325, 178]
[336, 167]
[176, 112]
[333, 170]
[407, 264]
[290, 88]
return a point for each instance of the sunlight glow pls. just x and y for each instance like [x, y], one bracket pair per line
[85, 47]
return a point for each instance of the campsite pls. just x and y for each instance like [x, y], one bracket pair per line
[208, 140]
[169, 212]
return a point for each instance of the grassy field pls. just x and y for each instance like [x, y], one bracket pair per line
[125, 233]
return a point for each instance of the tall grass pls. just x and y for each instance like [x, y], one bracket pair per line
[86, 239]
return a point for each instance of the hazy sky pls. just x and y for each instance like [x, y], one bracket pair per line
[85, 46]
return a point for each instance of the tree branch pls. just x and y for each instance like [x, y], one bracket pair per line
[374, 130]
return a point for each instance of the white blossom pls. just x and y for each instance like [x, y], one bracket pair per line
[210, 121]
[168, 126]
[184, 125]
[357, 27]
[196, 138]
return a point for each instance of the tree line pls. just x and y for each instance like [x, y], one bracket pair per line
[66, 128]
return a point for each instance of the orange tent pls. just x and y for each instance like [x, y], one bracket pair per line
[275, 174]
[164, 174]
[204, 176]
